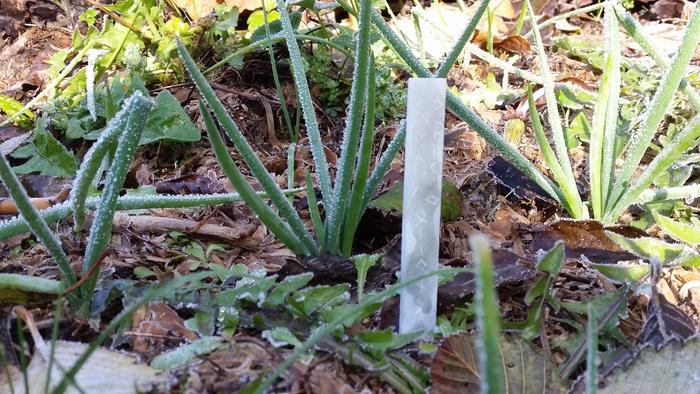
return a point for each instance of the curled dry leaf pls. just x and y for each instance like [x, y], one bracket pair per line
[507, 270]
[106, 372]
[324, 379]
[514, 44]
[517, 186]
[153, 323]
[455, 367]
[585, 237]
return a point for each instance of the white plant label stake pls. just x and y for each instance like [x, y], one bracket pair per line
[425, 122]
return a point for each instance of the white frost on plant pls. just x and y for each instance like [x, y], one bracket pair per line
[92, 56]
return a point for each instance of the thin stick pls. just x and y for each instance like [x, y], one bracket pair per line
[566, 15]
[120, 20]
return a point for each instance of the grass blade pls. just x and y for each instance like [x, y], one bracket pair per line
[306, 103]
[257, 168]
[487, 317]
[578, 209]
[354, 213]
[636, 31]
[640, 139]
[273, 39]
[602, 141]
[136, 109]
[480, 53]
[313, 207]
[464, 113]
[34, 221]
[254, 202]
[567, 15]
[351, 136]
[337, 321]
[546, 150]
[91, 164]
[685, 140]
[463, 39]
[670, 193]
[383, 165]
[152, 294]
[276, 79]
[51, 86]
[17, 225]
[592, 352]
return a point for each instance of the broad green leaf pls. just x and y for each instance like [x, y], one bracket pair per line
[363, 262]
[688, 258]
[45, 155]
[573, 98]
[589, 51]
[450, 208]
[683, 232]
[534, 321]
[287, 286]
[553, 260]
[168, 121]
[600, 305]
[356, 312]
[537, 290]
[578, 130]
[226, 21]
[622, 273]
[647, 247]
[186, 352]
[10, 106]
[307, 301]
[383, 340]
[280, 336]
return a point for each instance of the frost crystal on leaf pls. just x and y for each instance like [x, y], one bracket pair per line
[92, 56]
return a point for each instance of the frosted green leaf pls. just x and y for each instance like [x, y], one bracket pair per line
[168, 121]
[46, 155]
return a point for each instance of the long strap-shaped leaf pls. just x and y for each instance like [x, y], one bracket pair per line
[383, 164]
[487, 317]
[91, 164]
[640, 139]
[17, 225]
[259, 171]
[344, 316]
[463, 39]
[602, 146]
[362, 173]
[569, 182]
[636, 31]
[306, 103]
[136, 109]
[685, 140]
[338, 208]
[466, 114]
[550, 158]
[38, 226]
[254, 202]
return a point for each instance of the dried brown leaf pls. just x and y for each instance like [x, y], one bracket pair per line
[585, 237]
[455, 367]
[514, 44]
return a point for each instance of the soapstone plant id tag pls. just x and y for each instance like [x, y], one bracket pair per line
[425, 122]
